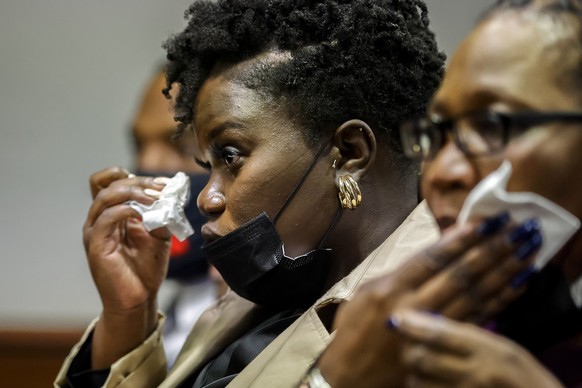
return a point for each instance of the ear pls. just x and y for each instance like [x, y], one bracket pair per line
[354, 148]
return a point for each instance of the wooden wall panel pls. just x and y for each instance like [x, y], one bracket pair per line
[32, 358]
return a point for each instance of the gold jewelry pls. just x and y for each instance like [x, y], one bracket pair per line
[349, 194]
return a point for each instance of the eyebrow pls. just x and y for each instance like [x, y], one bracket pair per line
[219, 129]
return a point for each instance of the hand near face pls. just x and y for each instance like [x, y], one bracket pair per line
[471, 273]
[128, 263]
[439, 352]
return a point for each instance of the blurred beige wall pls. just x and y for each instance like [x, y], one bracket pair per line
[70, 75]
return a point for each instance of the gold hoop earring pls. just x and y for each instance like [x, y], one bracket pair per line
[349, 194]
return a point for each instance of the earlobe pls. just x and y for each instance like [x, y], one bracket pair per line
[356, 145]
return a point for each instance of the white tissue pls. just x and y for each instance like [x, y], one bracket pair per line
[490, 197]
[168, 211]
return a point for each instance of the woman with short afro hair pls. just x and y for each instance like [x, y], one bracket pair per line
[295, 105]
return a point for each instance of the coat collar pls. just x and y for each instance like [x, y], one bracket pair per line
[288, 356]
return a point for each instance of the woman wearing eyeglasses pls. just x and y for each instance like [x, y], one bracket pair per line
[511, 92]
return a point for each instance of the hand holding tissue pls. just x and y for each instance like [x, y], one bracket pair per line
[490, 197]
[168, 210]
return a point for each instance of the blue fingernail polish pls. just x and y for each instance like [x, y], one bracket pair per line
[524, 230]
[530, 246]
[523, 277]
[494, 224]
[392, 323]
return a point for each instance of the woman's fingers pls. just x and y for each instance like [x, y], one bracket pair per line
[484, 272]
[430, 366]
[102, 179]
[107, 225]
[434, 354]
[461, 275]
[121, 191]
[492, 291]
[495, 305]
[434, 331]
[441, 352]
[430, 261]
[452, 246]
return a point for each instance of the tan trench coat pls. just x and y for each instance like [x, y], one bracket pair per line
[285, 360]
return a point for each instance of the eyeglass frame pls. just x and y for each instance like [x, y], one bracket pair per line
[507, 122]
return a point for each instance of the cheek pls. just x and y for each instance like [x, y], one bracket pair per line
[256, 188]
[447, 181]
[549, 165]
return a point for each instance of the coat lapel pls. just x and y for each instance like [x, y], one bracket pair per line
[216, 328]
[284, 361]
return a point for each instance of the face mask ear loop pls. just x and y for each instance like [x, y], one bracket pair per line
[336, 218]
[300, 182]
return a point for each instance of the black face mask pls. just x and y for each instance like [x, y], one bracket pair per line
[187, 262]
[252, 261]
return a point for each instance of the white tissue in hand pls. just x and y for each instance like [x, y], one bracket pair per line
[490, 197]
[168, 211]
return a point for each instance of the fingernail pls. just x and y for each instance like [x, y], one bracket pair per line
[153, 193]
[135, 220]
[493, 224]
[130, 175]
[393, 323]
[530, 246]
[524, 231]
[161, 180]
[523, 277]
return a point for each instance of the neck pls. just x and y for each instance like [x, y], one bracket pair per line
[382, 211]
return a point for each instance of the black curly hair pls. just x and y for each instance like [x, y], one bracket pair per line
[375, 60]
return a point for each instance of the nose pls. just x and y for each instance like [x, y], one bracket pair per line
[449, 170]
[211, 201]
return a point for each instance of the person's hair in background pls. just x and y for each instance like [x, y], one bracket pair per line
[324, 76]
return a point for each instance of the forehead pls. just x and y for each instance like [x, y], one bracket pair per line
[226, 106]
[516, 56]
[222, 99]
[239, 85]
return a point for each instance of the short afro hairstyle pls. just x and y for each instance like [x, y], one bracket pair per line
[374, 60]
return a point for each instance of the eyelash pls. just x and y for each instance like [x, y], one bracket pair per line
[204, 165]
[224, 152]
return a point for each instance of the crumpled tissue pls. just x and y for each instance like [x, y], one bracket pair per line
[490, 197]
[168, 210]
